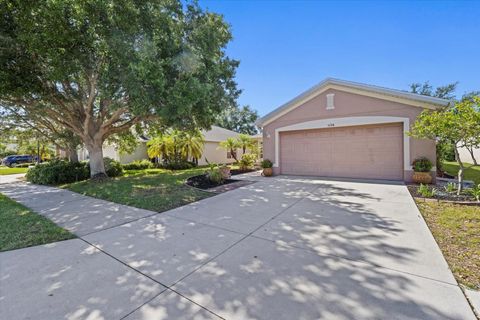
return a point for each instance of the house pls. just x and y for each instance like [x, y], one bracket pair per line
[466, 156]
[211, 152]
[111, 151]
[346, 129]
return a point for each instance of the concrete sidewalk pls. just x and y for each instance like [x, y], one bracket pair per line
[281, 248]
[75, 212]
[12, 178]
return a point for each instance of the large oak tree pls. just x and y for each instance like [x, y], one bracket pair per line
[99, 67]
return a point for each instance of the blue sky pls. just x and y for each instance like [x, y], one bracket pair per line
[285, 47]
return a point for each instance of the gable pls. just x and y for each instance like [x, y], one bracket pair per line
[345, 104]
[389, 95]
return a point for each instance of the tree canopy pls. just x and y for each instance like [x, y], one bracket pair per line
[458, 125]
[98, 67]
[241, 120]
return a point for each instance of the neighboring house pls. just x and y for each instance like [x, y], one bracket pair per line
[346, 129]
[465, 155]
[111, 151]
[211, 151]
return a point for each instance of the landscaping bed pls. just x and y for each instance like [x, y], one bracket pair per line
[437, 193]
[202, 182]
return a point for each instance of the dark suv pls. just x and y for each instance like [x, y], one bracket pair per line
[12, 161]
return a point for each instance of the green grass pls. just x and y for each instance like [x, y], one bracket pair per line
[457, 231]
[20, 227]
[471, 172]
[152, 189]
[7, 170]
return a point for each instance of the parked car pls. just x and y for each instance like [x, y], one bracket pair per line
[13, 161]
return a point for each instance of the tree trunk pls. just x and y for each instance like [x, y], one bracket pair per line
[460, 171]
[72, 154]
[234, 154]
[97, 166]
[470, 150]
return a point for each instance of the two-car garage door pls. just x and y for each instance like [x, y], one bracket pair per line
[372, 152]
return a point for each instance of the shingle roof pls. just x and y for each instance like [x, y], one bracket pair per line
[218, 134]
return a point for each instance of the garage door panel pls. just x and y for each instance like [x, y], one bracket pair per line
[374, 152]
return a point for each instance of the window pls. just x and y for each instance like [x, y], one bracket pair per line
[330, 105]
[230, 156]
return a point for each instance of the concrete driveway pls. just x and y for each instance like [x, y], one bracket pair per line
[282, 248]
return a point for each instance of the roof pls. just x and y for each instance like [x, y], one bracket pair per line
[217, 134]
[407, 97]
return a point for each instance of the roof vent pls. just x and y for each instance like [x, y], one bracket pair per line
[330, 105]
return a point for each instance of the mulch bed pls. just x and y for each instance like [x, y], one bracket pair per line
[202, 182]
[442, 195]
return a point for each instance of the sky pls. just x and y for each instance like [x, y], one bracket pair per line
[286, 47]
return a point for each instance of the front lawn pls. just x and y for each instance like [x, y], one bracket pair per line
[470, 172]
[7, 170]
[20, 227]
[456, 229]
[152, 189]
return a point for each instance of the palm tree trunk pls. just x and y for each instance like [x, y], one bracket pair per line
[234, 154]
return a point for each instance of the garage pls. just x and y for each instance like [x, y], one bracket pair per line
[372, 152]
[347, 129]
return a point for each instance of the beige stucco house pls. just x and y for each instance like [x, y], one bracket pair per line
[211, 151]
[346, 129]
[466, 156]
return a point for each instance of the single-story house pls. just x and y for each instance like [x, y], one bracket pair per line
[346, 129]
[211, 150]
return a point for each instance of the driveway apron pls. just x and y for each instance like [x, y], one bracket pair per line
[281, 248]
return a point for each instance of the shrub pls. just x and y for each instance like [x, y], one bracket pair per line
[215, 173]
[215, 176]
[422, 164]
[247, 161]
[426, 192]
[177, 165]
[475, 192]
[58, 172]
[450, 187]
[267, 164]
[113, 168]
[138, 165]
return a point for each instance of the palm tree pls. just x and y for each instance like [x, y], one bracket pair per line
[161, 147]
[231, 146]
[245, 141]
[191, 145]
